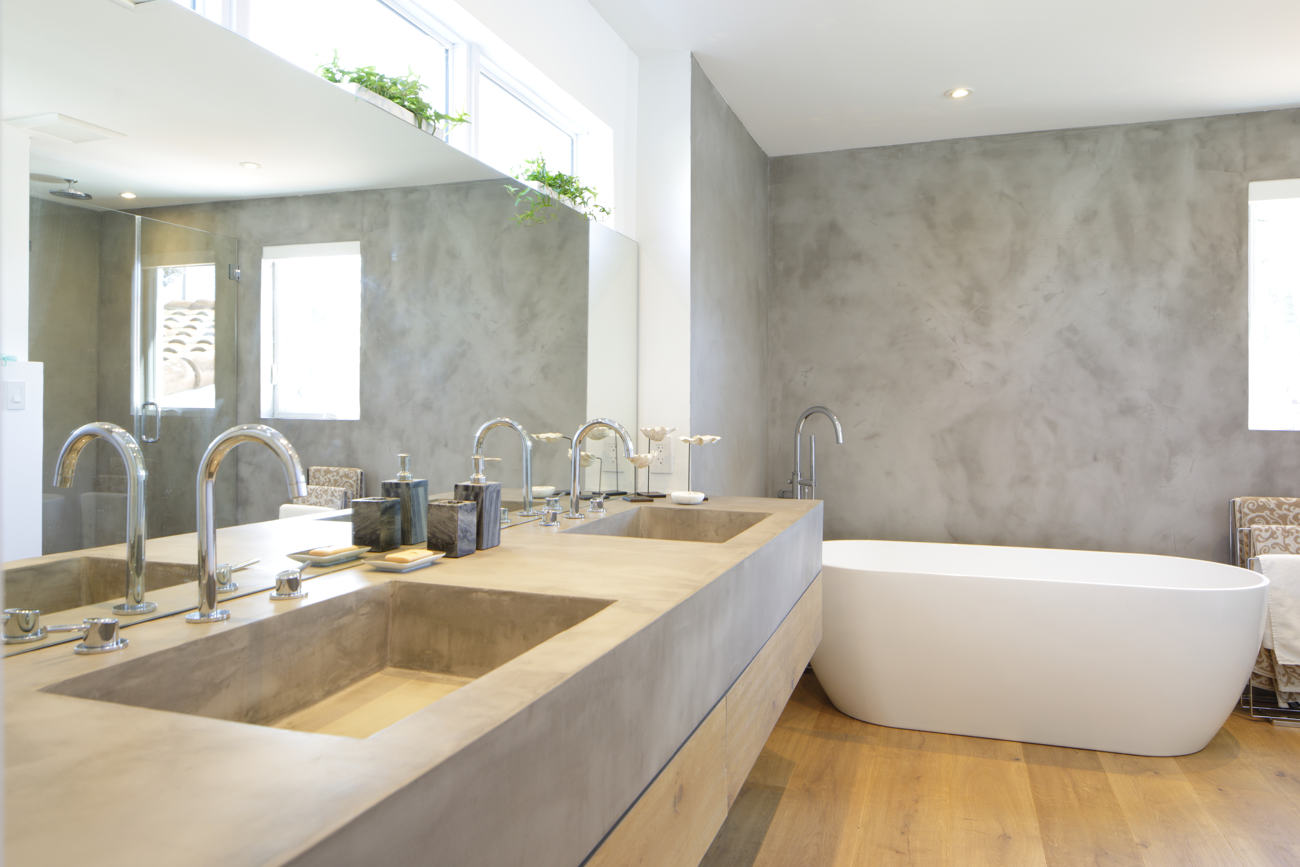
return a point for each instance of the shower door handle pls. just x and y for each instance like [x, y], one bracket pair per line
[150, 409]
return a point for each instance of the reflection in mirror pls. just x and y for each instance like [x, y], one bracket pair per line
[157, 320]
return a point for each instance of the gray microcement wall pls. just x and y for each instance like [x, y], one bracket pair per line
[1033, 339]
[466, 315]
[728, 296]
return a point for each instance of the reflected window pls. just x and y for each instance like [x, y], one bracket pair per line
[1274, 278]
[513, 128]
[379, 33]
[311, 331]
[185, 367]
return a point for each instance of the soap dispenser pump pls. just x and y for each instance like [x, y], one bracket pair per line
[487, 496]
[414, 494]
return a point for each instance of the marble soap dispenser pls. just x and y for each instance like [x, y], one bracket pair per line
[414, 494]
[487, 495]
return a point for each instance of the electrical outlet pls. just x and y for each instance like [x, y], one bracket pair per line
[663, 461]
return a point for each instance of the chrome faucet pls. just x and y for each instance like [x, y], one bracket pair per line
[136, 474]
[481, 434]
[805, 488]
[575, 481]
[207, 534]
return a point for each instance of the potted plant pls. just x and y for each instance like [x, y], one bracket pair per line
[401, 92]
[546, 188]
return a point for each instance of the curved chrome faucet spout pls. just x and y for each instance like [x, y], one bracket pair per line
[575, 482]
[217, 451]
[527, 450]
[136, 475]
[806, 487]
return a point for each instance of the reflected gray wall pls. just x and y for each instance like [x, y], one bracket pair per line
[64, 335]
[466, 315]
[728, 296]
[1033, 339]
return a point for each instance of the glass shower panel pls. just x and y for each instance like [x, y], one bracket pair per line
[183, 376]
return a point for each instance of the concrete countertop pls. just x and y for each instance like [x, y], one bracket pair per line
[531, 763]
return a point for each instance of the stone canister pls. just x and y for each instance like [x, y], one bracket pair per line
[377, 522]
[414, 494]
[453, 527]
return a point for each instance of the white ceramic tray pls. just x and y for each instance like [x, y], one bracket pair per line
[389, 566]
[341, 557]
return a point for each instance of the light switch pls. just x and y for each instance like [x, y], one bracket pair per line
[15, 395]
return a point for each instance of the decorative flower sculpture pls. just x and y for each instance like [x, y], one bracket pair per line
[700, 439]
[585, 459]
[640, 461]
[657, 434]
[549, 437]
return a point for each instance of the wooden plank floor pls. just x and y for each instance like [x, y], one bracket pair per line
[831, 790]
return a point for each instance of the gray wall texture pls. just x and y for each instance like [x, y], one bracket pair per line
[466, 315]
[64, 328]
[729, 277]
[1033, 339]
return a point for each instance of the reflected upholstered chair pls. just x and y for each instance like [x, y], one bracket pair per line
[1253, 538]
[1250, 511]
[353, 479]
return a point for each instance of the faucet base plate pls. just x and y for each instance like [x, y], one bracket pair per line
[84, 648]
[214, 616]
[135, 608]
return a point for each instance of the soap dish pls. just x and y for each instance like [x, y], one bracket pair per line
[330, 560]
[389, 566]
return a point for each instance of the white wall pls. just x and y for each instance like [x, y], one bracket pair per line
[20, 460]
[20, 430]
[664, 231]
[14, 148]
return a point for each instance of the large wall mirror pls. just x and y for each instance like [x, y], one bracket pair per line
[367, 290]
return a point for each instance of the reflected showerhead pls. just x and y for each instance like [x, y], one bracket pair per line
[70, 193]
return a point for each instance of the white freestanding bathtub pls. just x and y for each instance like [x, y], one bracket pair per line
[1128, 653]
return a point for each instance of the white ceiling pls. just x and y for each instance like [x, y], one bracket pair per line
[820, 75]
[192, 100]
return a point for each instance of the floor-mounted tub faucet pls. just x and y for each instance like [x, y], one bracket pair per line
[805, 487]
[576, 458]
[136, 474]
[206, 520]
[481, 434]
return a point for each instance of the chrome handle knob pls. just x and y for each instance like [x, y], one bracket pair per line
[101, 636]
[288, 585]
[23, 625]
[597, 504]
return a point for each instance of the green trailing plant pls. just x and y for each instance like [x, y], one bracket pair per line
[555, 187]
[401, 89]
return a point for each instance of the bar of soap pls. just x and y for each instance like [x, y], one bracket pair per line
[406, 556]
[330, 552]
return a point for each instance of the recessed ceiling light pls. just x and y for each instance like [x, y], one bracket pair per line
[128, 195]
[250, 165]
[958, 93]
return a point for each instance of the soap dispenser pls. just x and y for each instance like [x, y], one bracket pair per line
[487, 495]
[414, 494]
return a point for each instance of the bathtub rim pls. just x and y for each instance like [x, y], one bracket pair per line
[831, 547]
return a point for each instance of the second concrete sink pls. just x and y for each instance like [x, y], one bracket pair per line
[351, 665]
[56, 585]
[685, 524]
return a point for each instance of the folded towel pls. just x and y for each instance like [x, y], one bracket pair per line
[1283, 573]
